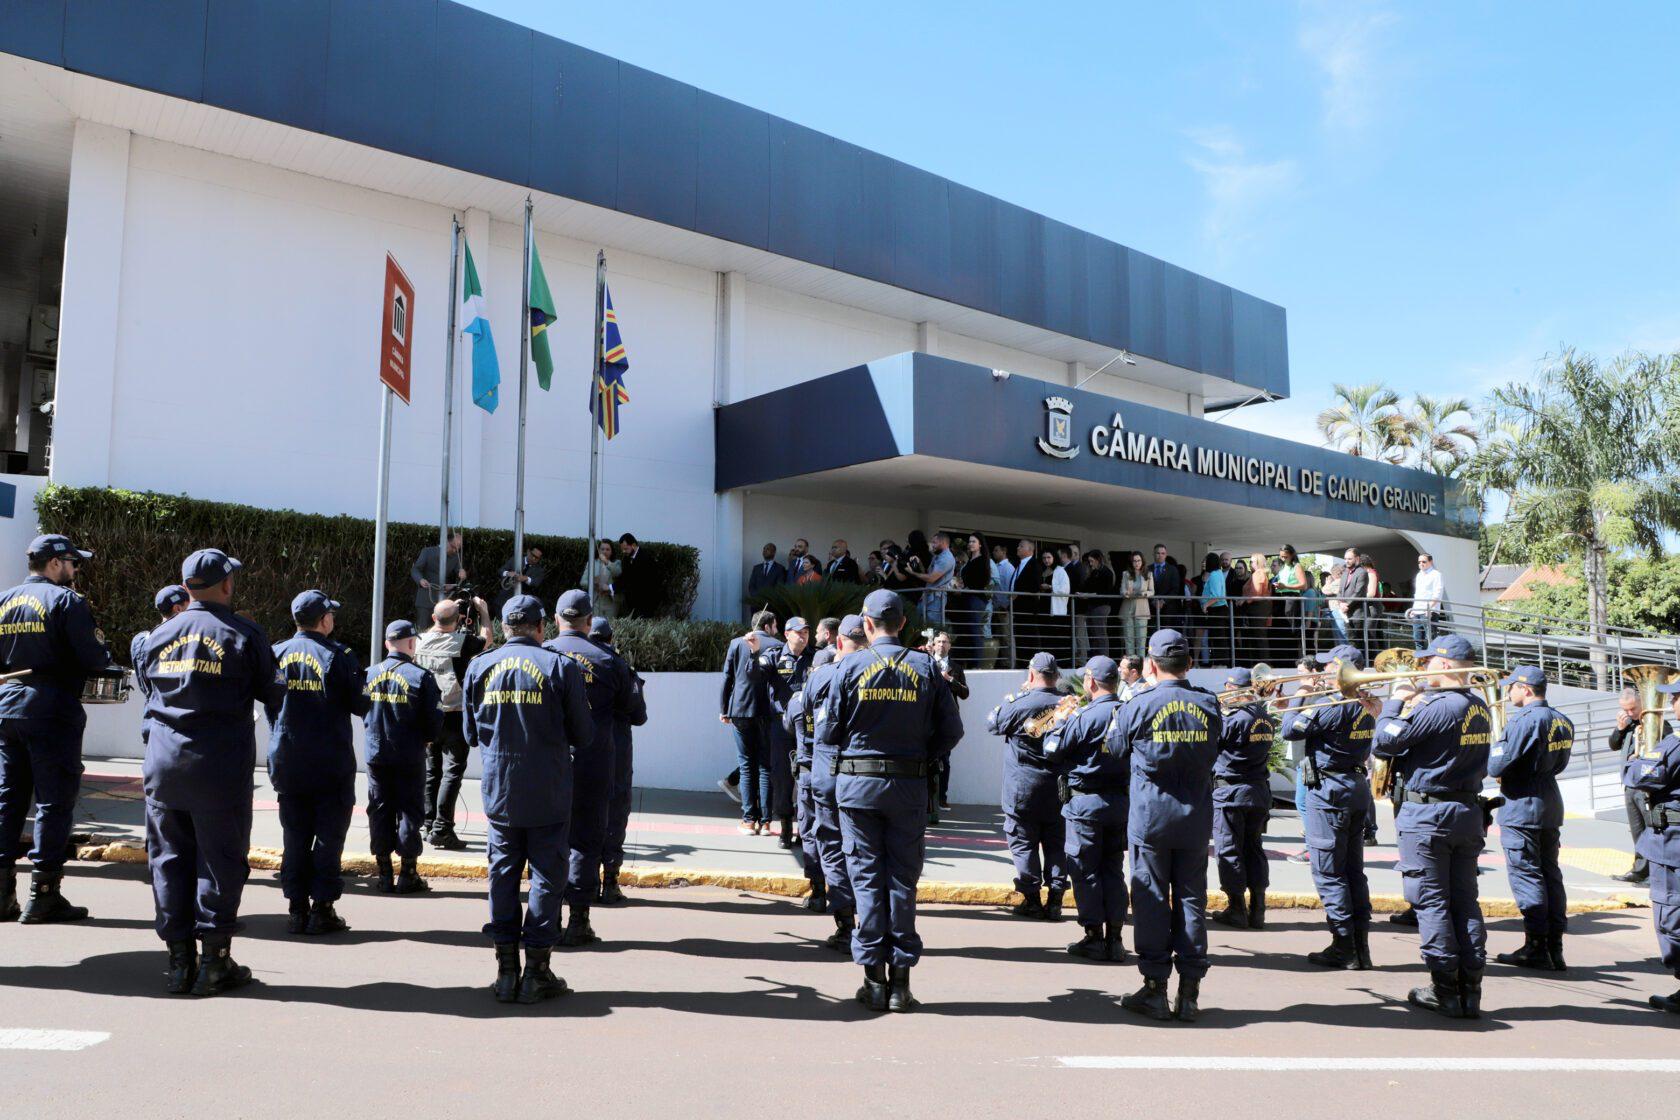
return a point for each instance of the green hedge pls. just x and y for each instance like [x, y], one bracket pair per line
[140, 539]
[668, 646]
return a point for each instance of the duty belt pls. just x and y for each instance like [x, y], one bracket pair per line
[1113, 787]
[804, 764]
[1665, 816]
[1222, 783]
[883, 767]
[1417, 798]
[1360, 770]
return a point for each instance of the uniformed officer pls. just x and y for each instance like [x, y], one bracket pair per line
[402, 718]
[610, 690]
[745, 706]
[1242, 803]
[1527, 760]
[890, 713]
[1171, 730]
[1439, 740]
[1098, 792]
[526, 711]
[312, 761]
[169, 601]
[783, 668]
[623, 774]
[1336, 808]
[1656, 774]
[201, 672]
[850, 638]
[1032, 812]
[800, 722]
[47, 635]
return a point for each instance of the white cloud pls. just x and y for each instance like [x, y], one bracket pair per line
[1286, 419]
[1239, 189]
[1344, 40]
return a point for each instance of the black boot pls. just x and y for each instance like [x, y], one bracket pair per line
[218, 972]
[1441, 996]
[817, 901]
[297, 911]
[873, 994]
[1150, 1000]
[1053, 906]
[1533, 954]
[386, 882]
[1340, 953]
[1257, 909]
[539, 982]
[1406, 917]
[1362, 946]
[610, 894]
[1554, 952]
[46, 904]
[443, 837]
[9, 908]
[506, 986]
[841, 939]
[408, 880]
[898, 994]
[1030, 906]
[578, 930]
[1185, 1007]
[1116, 948]
[1235, 913]
[1093, 946]
[324, 919]
[183, 966]
[785, 836]
[1670, 1004]
[1470, 991]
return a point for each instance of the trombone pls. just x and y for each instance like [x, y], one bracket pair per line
[1392, 666]
[1264, 684]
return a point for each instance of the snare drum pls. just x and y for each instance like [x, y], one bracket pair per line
[106, 686]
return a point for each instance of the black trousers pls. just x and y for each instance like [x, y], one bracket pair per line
[446, 766]
[1639, 819]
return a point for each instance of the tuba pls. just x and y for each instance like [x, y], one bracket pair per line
[1051, 718]
[1646, 678]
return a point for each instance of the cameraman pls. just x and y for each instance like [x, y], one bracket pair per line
[457, 636]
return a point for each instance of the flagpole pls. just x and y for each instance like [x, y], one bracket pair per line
[524, 360]
[448, 403]
[383, 510]
[595, 417]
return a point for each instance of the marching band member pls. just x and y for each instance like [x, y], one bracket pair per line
[1097, 792]
[402, 718]
[1242, 802]
[1032, 811]
[1657, 776]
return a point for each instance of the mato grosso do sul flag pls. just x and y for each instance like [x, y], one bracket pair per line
[486, 373]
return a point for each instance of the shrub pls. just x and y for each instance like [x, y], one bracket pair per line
[668, 646]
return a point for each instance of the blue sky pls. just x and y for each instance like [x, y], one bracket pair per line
[1440, 194]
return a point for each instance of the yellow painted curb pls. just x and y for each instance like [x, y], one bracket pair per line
[794, 886]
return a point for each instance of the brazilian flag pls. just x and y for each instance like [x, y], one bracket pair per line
[542, 314]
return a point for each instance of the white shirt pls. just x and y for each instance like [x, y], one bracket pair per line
[1060, 588]
[1428, 593]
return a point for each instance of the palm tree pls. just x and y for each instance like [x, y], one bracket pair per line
[1438, 434]
[1594, 467]
[1365, 420]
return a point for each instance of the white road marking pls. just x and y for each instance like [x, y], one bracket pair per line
[1334, 1065]
[28, 1038]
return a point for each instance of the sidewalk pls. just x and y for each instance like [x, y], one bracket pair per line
[679, 838]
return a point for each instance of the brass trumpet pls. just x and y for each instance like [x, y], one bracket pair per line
[1646, 678]
[1353, 685]
[1263, 685]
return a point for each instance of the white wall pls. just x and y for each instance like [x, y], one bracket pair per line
[792, 338]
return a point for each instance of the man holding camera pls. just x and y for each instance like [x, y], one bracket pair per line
[455, 638]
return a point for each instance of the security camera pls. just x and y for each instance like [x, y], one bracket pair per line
[1000, 375]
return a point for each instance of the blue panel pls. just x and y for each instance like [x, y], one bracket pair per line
[382, 76]
[269, 60]
[732, 191]
[658, 129]
[33, 29]
[1105, 293]
[484, 93]
[1178, 317]
[863, 243]
[865, 407]
[921, 210]
[973, 278]
[1145, 284]
[1020, 264]
[1260, 344]
[802, 201]
[1064, 279]
[574, 122]
[1213, 322]
[158, 45]
[8, 499]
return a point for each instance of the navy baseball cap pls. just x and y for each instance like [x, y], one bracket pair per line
[207, 567]
[574, 604]
[795, 623]
[883, 606]
[1455, 646]
[1349, 655]
[1168, 643]
[1239, 678]
[601, 628]
[52, 546]
[1103, 670]
[400, 629]
[852, 627]
[311, 605]
[1525, 674]
[1043, 662]
[168, 597]
[522, 610]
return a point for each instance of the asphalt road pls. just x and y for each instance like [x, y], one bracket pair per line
[704, 1002]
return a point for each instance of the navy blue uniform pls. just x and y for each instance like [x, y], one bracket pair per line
[891, 714]
[1100, 783]
[1655, 774]
[784, 674]
[1172, 733]
[48, 629]
[800, 722]
[201, 673]
[1439, 742]
[1527, 760]
[402, 717]
[623, 773]
[610, 691]
[312, 761]
[1032, 811]
[1337, 807]
[1242, 801]
[824, 837]
[137, 651]
[745, 700]
[525, 710]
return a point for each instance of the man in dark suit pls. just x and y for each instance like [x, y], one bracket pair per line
[1026, 604]
[635, 578]
[765, 575]
[841, 567]
[1169, 591]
